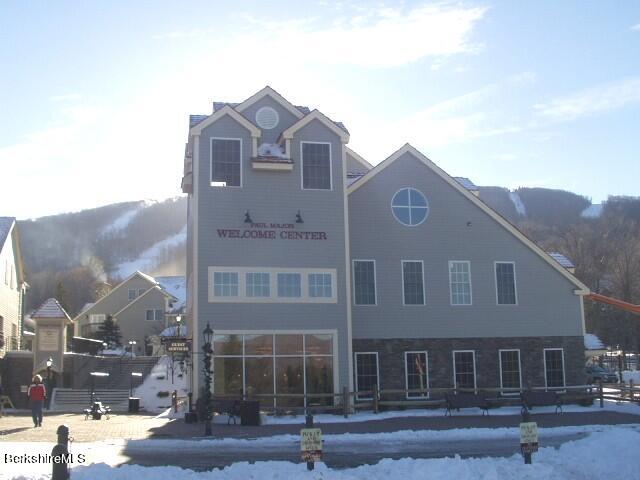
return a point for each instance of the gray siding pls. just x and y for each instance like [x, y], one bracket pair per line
[546, 306]
[133, 323]
[272, 197]
[286, 118]
[354, 166]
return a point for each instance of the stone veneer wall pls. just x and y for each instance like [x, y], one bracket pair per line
[440, 358]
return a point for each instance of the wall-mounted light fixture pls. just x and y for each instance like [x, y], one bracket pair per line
[247, 217]
[299, 217]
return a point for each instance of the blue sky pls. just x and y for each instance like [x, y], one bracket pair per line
[94, 96]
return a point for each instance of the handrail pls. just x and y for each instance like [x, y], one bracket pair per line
[630, 307]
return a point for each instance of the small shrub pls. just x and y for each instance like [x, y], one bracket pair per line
[160, 377]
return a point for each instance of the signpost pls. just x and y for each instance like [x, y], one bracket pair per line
[178, 346]
[310, 443]
[528, 440]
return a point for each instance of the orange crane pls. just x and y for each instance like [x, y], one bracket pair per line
[629, 307]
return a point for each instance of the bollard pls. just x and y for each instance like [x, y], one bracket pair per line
[309, 424]
[601, 393]
[59, 455]
[174, 401]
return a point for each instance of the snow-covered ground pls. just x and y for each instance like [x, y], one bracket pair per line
[517, 202]
[149, 258]
[609, 450]
[159, 380]
[632, 375]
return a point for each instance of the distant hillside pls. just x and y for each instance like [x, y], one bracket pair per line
[62, 253]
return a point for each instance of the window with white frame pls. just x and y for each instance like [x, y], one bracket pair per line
[409, 207]
[133, 293]
[141, 291]
[316, 166]
[510, 377]
[225, 284]
[460, 282]
[226, 162]
[258, 284]
[364, 282]
[506, 283]
[156, 314]
[464, 369]
[320, 285]
[95, 318]
[554, 367]
[289, 285]
[416, 370]
[366, 373]
[412, 282]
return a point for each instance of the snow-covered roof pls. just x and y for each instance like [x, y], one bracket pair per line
[172, 331]
[592, 342]
[272, 150]
[466, 183]
[562, 260]
[5, 227]
[51, 308]
[176, 286]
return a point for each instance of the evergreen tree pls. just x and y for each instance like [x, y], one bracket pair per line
[109, 333]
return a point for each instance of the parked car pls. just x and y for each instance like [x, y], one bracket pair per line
[596, 372]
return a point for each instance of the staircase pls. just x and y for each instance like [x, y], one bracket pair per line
[76, 400]
[120, 371]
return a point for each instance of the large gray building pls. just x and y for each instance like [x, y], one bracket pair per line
[317, 271]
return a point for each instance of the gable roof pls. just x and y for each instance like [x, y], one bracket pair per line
[582, 289]
[317, 115]
[135, 300]
[5, 227]
[359, 159]
[217, 115]
[137, 273]
[270, 92]
[51, 308]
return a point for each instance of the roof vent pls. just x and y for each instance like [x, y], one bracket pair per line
[267, 118]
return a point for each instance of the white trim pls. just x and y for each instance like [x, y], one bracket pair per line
[375, 282]
[272, 110]
[453, 357]
[195, 271]
[582, 289]
[211, 182]
[356, 372]
[217, 115]
[424, 298]
[515, 282]
[315, 115]
[268, 91]
[544, 358]
[427, 208]
[347, 257]
[358, 158]
[273, 285]
[470, 285]
[154, 310]
[511, 392]
[276, 166]
[406, 374]
[330, 167]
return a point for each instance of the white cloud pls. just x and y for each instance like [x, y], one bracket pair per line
[636, 27]
[68, 97]
[599, 99]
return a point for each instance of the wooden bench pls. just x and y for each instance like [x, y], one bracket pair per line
[465, 400]
[228, 407]
[96, 411]
[531, 398]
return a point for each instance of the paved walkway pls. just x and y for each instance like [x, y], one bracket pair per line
[18, 427]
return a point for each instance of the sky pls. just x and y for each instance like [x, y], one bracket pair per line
[95, 96]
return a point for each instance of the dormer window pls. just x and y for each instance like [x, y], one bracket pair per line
[316, 166]
[226, 162]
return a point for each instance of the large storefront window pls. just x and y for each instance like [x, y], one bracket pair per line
[464, 369]
[366, 374]
[510, 370]
[288, 365]
[416, 371]
[554, 367]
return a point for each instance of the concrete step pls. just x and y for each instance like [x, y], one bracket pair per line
[76, 400]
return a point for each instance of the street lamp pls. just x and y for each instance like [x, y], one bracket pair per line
[131, 345]
[206, 348]
[49, 363]
[178, 320]
[133, 374]
[93, 376]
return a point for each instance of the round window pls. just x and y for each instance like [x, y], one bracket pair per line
[267, 118]
[410, 207]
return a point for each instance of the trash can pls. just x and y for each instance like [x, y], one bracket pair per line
[190, 417]
[134, 405]
[250, 413]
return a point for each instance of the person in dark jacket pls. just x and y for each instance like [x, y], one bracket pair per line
[37, 394]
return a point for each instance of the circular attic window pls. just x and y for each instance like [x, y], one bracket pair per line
[410, 207]
[267, 118]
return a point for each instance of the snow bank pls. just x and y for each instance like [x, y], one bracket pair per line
[159, 380]
[631, 375]
[584, 459]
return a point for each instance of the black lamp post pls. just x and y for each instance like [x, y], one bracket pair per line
[178, 320]
[49, 363]
[206, 348]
